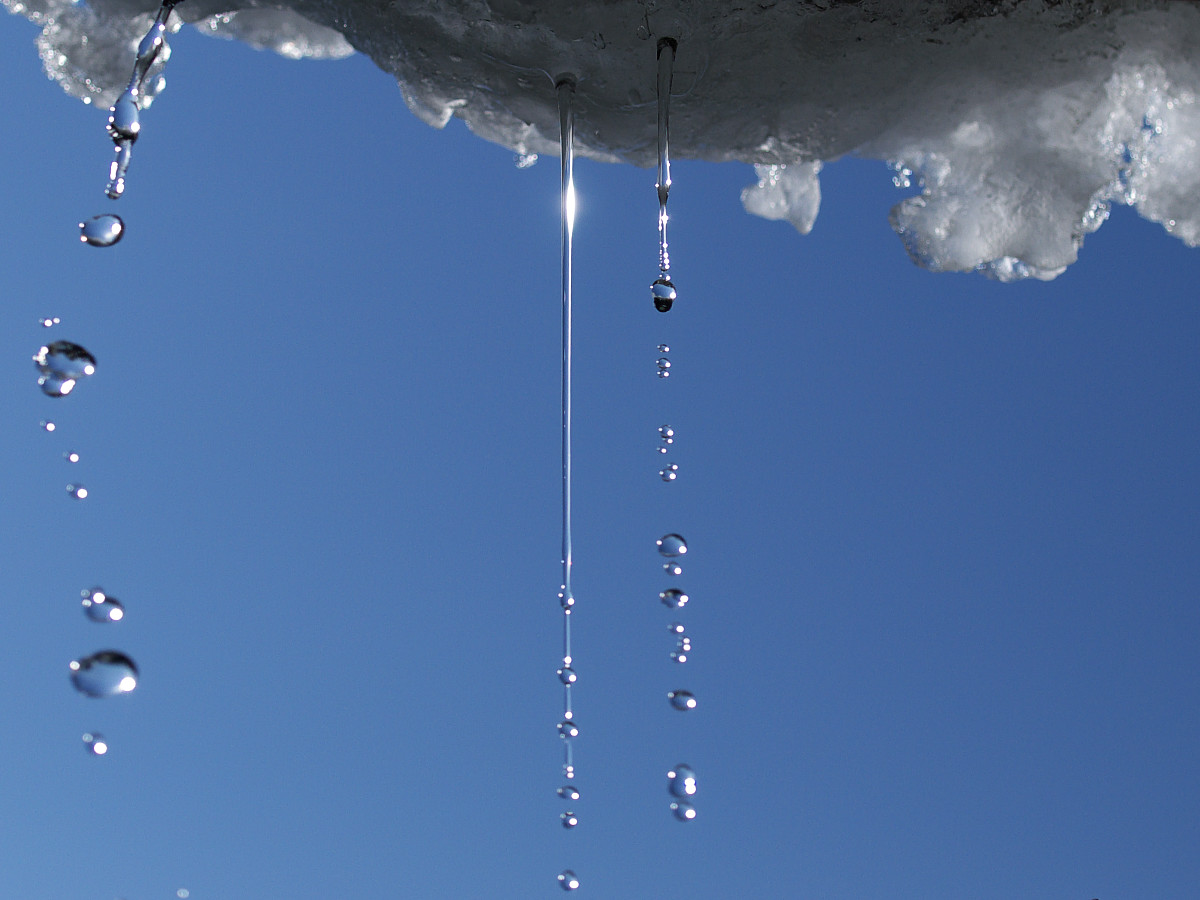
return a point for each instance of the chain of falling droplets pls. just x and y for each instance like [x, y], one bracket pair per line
[124, 119]
[663, 290]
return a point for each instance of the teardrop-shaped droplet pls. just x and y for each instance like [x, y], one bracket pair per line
[682, 700]
[569, 819]
[663, 292]
[681, 781]
[670, 473]
[672, 545]
[78, 491]
[124, 122]
[568, 880]
[567, 729]
[94, 743]
[104, 674]
[682, 810]
[568, 792]
[100, 607]
[101, 231]
[674, 598]
[567, 675]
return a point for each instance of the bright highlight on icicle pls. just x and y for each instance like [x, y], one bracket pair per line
[663, 290]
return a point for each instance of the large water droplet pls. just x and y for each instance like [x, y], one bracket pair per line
[663, 292]
[94, 743]
[567, 729]
[682, 700]
[682, 810]
[672, 545]
[123, 118]
[100, 607]
[104, 674]
[101, 231]
[670, 473]
[674, 598]
[569, 819]
[568, 792]
[78, 491]
[568, 880]
[681, 781]
[567, 675]
[61, 364]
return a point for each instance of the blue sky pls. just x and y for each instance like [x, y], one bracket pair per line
[942, 531]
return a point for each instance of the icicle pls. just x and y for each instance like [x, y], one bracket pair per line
[663, 290]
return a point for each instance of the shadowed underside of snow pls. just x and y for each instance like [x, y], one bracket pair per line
[1016, 124]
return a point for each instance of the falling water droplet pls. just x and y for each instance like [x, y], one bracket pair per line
[664, 366]
[663, 292]
[568, 771]
[675, 627]
[681, 781]
[124, 120]
[101, 231]
[78, 491]
[568, 792]
[672, 545]
[567, 729]
[565, 600]
[61, 364]
[46, 425]
[50, 321]
[567, 675]
[104, 674]
[670, 473]
[682, 700]
[100, 607]
[71, 456]
[682, 810]
[568, 880]
[673, 568]
[666, 434]
[678, 656]
[663, 348]
[117, 170]
[569, 819]
[94, 743]
[674, 598]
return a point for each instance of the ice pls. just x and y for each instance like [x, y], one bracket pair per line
[1015, 125]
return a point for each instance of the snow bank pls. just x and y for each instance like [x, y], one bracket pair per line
[1019, 123]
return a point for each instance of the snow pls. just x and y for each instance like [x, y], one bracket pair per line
[1018, 124]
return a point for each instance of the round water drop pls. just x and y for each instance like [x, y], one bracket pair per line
[78, 491]
[662, 449]
[679, 656]
[569, 819]
[46, 425]
[682, 810]
[71, 456]
[568, 772]
[663, 348]
[51, 321]
[123, 119]
[100, 607]
[61, 364]
[682, 700]
[104, 674]
[670, 473]
[667, 433]
[671, 545]
[681, 781]
[663, 363]
[568, 880]
[567, 675]
[677, 628]
[567, 729]
[672, 568]
[101, 231]
[673, 598]
[663, 293]
[94, 743]
[568, 792]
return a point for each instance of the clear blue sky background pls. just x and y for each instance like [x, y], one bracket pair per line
[943, 573]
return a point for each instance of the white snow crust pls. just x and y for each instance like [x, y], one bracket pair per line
[1015, 125]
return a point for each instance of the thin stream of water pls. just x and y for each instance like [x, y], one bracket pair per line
[663, 290]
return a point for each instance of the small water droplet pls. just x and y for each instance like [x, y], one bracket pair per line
[568, 792]
[567, 729]
[663, 363]
[672, 545]
[674, 598]
[682, 810]
[104, 674]
[569, 819]
[61, 364]
[663, 292]
[123, 118]
[675, 627]
[94, 743]
[46, 425]
[183, 893]
[662, 449]
[568, 880]
[670, 473]
[666, 434]
[567, 675]
[78, 491]
[568, 772]
[525, 160]
[682, 700]
[101, 231]
[49, 321]
[678, 656]
[100, 607]
[672, 568]
[681, 781]
[663, 348]
[71, 456]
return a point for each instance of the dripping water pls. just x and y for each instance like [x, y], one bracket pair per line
[662, 290]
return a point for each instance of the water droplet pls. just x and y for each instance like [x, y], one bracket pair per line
[663, 292]
[568, 880]
[569, 819]
[78, 491]
[151, 44]
[663, 363]
[676, 627]
[682, 700]
[670, 473]
[565, 600]
[100, 607]
[50, 321]
[568, 771]
[672, 545]
[104, 674]
[683, 811]
[567, 675]
[674, 598]
[94, 743]
[663, 348]
[662, 449]
[568, 792]
[71, 456]
[61, 364]
[117, 170]
[123, 118]
[681, 781]
[183, 893]
[672, 568]
[46, 425]
[666, 434]
[525, 160]
[567, 729]
[101, 231]
[678, 656]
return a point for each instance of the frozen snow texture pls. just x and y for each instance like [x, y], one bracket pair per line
[1020, 121]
